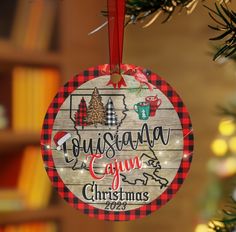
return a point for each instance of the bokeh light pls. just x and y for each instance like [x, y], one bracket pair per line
[230, 166]
[202, 228]
[219, 147]
[227, 127]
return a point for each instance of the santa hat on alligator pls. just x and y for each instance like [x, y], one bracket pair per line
[60, 138]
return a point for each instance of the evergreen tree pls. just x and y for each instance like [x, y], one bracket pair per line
[96, 110]
[81, 114]
[111, 117]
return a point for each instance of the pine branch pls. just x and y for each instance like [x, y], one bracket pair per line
[228, 221]
[139, 10]
[225, 20]
[230, 110]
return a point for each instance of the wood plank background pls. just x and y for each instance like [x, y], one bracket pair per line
[169, 155]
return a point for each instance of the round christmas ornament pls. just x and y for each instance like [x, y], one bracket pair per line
[117, 140]
[117, 154]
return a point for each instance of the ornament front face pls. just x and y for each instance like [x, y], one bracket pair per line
[117, 154]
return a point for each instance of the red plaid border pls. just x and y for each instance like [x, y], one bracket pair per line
[65, 193]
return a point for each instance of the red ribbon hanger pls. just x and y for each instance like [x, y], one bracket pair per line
[116, 19]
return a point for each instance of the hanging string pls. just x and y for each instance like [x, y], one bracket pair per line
[116, 19]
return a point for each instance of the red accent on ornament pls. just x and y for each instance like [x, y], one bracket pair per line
[81, 114]
[60, 138]
[140, 77]
[116, 20]
[119, 84]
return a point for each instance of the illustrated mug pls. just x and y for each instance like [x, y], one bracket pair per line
[154, 102]
[143, 110]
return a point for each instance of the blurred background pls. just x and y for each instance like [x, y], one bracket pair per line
[45, 42]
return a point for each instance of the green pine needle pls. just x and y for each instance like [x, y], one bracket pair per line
[225, 20]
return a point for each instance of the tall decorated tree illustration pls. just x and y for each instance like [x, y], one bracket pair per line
[111, 117]
[81, 114]
[96, 110]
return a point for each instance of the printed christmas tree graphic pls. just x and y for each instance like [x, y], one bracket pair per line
[144, 114]
[96, 110]
[111, 117]
[81, 114]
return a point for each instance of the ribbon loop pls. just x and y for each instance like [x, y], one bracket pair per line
[116, 19]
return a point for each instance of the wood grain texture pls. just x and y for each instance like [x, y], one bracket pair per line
[168, 155]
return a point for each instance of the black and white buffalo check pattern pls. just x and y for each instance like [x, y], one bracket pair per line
[111, 117]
